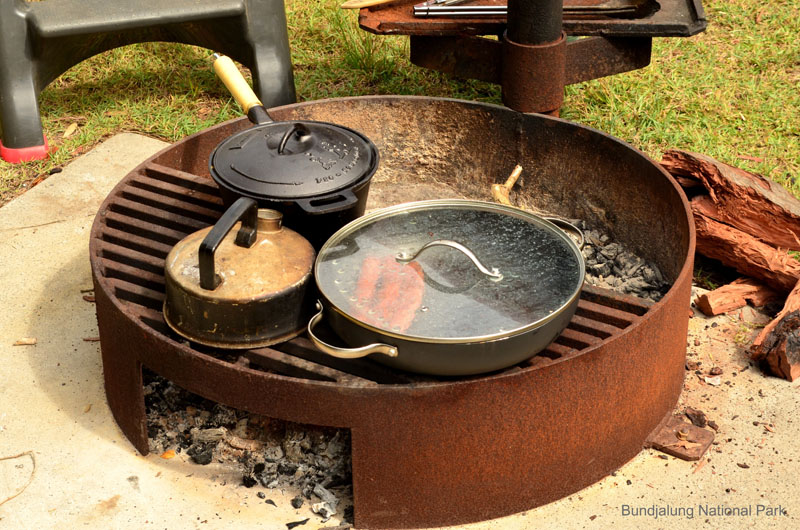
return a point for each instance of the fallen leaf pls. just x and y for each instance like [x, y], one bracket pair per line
[88, 297]
[91, 339]
[166, 455]
[87, 408]
[767, 427]
[70, 130]
[25, 341]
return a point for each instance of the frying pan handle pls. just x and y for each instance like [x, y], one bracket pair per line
[568, 227]
[237, 85]
[336, 202]
[244, 209]
[493, 274]
[345, 353]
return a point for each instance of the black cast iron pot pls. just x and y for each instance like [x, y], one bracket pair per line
[316, 174]
[447, 287]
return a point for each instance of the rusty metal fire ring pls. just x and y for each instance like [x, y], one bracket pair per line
[467, 449]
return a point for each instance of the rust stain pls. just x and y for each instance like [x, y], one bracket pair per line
[108, 505]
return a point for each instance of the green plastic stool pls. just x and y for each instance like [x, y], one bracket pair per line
[39, 41]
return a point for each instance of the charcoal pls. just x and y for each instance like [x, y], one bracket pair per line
[289, 526]
[267, 474]
[297, 502]
[287, 468]
[201, 454]
[248, 481]
[223, 416]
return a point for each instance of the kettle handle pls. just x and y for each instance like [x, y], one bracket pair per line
[244, 209]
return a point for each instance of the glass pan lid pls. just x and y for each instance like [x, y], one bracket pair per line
[532, 270]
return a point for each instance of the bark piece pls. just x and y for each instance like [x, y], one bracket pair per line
[778, 344]
[741, 251]
[735, 295]
[745, 200]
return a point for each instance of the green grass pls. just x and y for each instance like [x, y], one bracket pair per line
[730, 92]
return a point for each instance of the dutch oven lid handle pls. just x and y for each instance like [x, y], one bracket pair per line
[244, 209]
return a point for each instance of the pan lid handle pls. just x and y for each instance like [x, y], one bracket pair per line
[493, 274]
[244, 209]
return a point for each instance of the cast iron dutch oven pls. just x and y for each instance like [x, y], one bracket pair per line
[240, 285]
[316, 173]
[447, 287]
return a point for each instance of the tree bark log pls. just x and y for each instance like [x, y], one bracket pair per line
[735, 295]
[741, 251]
[778, 344]
[747, 201]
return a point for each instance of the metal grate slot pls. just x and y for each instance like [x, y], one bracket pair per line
[139, 244]
[164, 219]
[604, 314]
[591, 327]
[175, 206]
[132, 258]
[131, 292]
[181, 179]
[135, 275]
[576, 339]
[143, 229]
[199, 198]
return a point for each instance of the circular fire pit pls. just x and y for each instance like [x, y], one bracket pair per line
[426, 451]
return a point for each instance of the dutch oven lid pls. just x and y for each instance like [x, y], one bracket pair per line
[479, 270]
[293, 159]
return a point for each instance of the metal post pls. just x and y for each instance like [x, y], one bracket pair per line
[534, 56]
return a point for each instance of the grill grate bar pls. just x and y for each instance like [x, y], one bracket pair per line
[172, 205]
[182, 179]
[137, 294]
[157, 217]
[137, 243]
[604, 314]
[207, 201]
[130, 257]
[130, 274]
[143, 229]
[163, 205]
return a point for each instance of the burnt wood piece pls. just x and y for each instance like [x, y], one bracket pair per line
[735, 295]
[778, 344]
[742, 251]
[744, 200]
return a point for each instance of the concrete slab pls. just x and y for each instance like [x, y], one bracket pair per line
[64, 462]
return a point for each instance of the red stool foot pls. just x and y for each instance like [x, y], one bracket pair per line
[23, 154]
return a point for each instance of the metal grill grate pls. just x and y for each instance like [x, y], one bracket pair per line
[161, 205]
